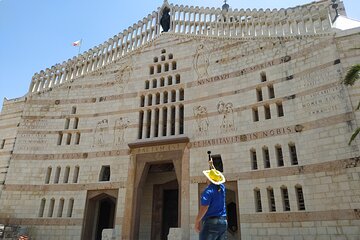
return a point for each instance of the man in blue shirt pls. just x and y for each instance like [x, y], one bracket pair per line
[211, 220]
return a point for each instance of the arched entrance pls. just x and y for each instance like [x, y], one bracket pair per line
[99, 213]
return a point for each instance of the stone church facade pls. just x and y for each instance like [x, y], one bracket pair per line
[113, 142]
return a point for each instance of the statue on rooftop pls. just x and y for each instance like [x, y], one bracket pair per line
[165, 20]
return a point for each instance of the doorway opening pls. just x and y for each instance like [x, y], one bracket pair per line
[99, 214]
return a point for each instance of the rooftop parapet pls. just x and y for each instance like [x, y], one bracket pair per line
[313, 18]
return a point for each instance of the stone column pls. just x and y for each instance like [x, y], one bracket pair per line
[168, 126]
[161, 121]
[145, 124]
[153, 123]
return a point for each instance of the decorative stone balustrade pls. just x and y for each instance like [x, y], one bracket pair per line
[306, 19]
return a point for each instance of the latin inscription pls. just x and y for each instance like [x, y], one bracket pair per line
[327, 100]
[161, 148]
[244, 138]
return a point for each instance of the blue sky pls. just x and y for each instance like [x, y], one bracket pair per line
[37, 34]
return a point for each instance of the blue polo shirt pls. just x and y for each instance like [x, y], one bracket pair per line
[214, 197]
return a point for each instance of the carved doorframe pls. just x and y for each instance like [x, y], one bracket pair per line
[142, 155]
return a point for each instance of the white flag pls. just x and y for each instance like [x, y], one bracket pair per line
[77, 43]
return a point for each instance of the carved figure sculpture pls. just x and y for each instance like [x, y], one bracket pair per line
[227, 123]
[101, 130]
[121, 125]
[165, 20]
[123, 77]
[202, 121]
[201, 61]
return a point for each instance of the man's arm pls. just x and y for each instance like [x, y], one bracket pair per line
[202, 211]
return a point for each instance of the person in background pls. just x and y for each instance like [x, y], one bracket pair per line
[211, 220]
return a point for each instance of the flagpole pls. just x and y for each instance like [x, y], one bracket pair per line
[80, 46]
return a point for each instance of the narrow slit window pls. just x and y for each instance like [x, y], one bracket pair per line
[285, 199]
[156, 129]
[254, 165]
[173, 120]
[300, 198]
[73, 110]
[259, 96]
[67, 123]
[76, 123]
[177, 78]
[68, 139]
[174, 65]
[147, 84]
[267, 112]
[70, 207]
[173, 96]
[280, 109]
[293, 154]
[148, 124]
[66, 174]
[150, 100]
[166, 67]
[157, 101]
[57, 175]
[60, 208]
[77, 138]
[51, 207]
[170, 82]
[257, 196]
[2, 144]
[154, 83]
[48, 175]
[159, 68]
[279, 156]
[76, 174]
[151, 70]
[271, 199]
[255, 114]
[165, 97]
[141, 122]
[181, 119]
[162, 82]
[142, 101]
[271, 91]
[266, 157]
[164, 121]
[42, 207]
[263, 77]
[181, 97]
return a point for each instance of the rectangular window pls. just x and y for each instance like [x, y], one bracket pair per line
[67, 123]
[279, 156]
[141, 121]
[300, 198]
[267, 112]
[280, 109]
[271, 91]
[271, 198]
[285, 198]
[293, 155]
[255, 115]
[60, 137]
[259, 96]
[266, 157]
[76, 123]
[77, 138]
[258, 206]
[253, 157]
[68, 139]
